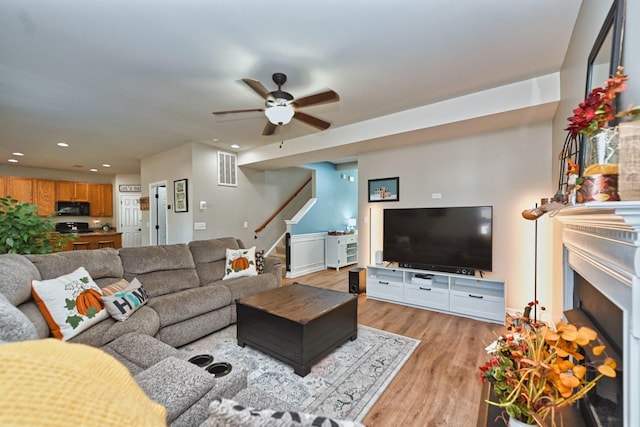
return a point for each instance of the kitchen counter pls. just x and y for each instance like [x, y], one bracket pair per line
[94, 238]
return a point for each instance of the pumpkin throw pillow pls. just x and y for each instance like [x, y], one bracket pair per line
[240, 263]
[124, 302]
[70, 303]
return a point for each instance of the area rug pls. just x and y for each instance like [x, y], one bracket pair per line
[344, 384]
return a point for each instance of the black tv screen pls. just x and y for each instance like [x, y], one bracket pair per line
[441, 239]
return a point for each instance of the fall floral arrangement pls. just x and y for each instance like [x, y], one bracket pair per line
[536, 370]
[598, 108]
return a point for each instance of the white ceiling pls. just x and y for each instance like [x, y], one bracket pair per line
[121, 80]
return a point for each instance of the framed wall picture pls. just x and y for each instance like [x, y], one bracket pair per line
[180, 197]
[384, 190]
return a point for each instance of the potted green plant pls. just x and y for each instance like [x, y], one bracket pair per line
[538, 369]
[22, 231]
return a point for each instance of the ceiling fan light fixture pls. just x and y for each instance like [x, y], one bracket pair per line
[279, 114]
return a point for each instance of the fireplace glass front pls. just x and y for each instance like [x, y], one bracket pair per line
[603, 405]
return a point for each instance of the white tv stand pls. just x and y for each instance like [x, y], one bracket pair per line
[468, 296]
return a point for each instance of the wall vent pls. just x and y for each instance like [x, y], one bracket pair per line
[227, 169]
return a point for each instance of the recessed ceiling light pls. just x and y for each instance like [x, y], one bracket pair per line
[235, 146]
[106, 165]
[93, 170]
[12, 161]
[216, 140]
[17, 153]
[62, 144]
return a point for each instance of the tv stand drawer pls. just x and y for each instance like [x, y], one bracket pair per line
[430, 296]
[477, 304]
[384, 289]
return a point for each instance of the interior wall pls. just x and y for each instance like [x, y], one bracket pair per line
[507, 169]
[230, 210]
[631, 54]
[337, 200]
[169, 166]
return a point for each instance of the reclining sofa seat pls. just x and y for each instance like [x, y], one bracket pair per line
[174, 276]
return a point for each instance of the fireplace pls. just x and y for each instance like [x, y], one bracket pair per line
[603, 406]
[601, 270]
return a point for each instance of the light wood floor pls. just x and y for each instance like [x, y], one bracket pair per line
[440, 383]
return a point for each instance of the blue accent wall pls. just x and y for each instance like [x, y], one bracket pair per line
[337, 200]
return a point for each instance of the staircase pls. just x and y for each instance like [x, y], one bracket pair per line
[281, 252]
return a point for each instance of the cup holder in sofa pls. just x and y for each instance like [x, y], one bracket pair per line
[201, 360]
[219, 369]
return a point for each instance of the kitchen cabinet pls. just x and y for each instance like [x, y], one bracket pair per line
[70, 191]
[44, 195]
[101, 199]
[3, 186]
[20, 188]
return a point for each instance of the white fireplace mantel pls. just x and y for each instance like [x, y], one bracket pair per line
[602, 243]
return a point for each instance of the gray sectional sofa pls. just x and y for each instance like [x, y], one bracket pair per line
[187, 299]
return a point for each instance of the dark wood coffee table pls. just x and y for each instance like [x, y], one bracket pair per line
[297, 324]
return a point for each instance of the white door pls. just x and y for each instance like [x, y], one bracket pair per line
[158, 214]
[130, 220]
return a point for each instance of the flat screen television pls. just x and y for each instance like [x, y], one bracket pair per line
[450, 239]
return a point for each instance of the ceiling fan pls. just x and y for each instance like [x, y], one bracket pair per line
[280, 106]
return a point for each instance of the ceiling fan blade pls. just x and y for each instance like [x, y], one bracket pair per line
[318, 98]
[248, 110]
[311, 121]
[258, 87]
[269, 129]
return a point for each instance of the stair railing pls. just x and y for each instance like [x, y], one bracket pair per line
[281, 208]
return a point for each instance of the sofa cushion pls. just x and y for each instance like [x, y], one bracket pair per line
[17, 272]
[49, 382]
[245, 286]
[210, 257]
[143, 321]
[179, 306]
[240, 263]
[176, 384]
[160, 269]
[70, 303]
[229, 413]
[14, 325]
[103, 265]
[212, 249]
[189, 330]
[33, 313]
[125, 302]
[138, 352]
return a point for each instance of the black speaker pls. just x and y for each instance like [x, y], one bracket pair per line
[357, 280]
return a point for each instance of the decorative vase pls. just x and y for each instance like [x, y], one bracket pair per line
[599, 180]
[629, 179]
[517, 423]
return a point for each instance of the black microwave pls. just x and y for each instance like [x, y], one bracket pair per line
[72, 208]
